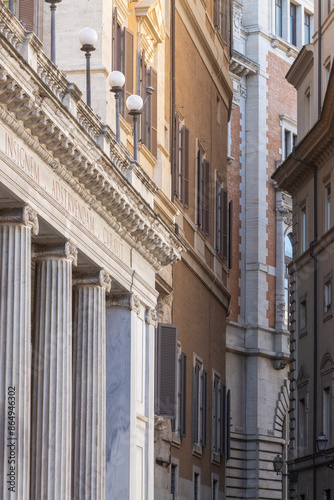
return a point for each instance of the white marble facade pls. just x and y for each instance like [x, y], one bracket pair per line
[79, 250]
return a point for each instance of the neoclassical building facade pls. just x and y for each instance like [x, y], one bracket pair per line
[81, 244]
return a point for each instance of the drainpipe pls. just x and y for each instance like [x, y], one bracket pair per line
[173, 94]
[315, 316]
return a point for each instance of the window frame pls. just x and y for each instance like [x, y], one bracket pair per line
[293, 24]
[307, 28]
[199, 406]
[279, 18]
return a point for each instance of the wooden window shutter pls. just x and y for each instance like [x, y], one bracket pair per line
[230, 227]
[128, 70]
[217, 218]
[166, 370]
[195, 404]
[199, 187]
[143, 116]
[183, 399]
[225, 21]
[206, 215]
[223, 425]
[224, 224]
[228, 426]
[176, 169]
[26, 13]
[185, 169]
[204, 406]
[215, 414]
[231, 29]
[153, 118]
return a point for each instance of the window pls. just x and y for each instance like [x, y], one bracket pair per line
[25, 12]
[302, 427]
[293, 24]
[123, 61]
[179, 423]
[307, 28]
[173, 482]
[329, 6]
[278, 17]
[166, 349]
[203, 191]
[148, 116]
[181, 168]
[221, 221]
[326, 412]
[302, 316]
[288, 259]
[218, 394]
[328, 296]
[196, 486]
[327, 495]
[199, 404]
[220, 18]
[215, 489]
[303, 229]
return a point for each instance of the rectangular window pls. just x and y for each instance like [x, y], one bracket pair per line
[216, 415]
[302, 428]
[326, 412]
[293, 24]
[203, 191]
[173, 485]
[307, 28]
[215, 490]
[222, 221]
[327, 495]
[220, 15]
[278, 17]
[199, 407]
[328, 296]
[196, 486]
[287, 143]
[328, 207]
[302, 316]
[149, 117]
[179, 423]
[166, 370]
[303, 229]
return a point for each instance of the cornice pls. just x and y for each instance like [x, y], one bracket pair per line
[31, 105]
[241, 65]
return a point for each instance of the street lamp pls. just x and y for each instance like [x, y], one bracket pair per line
[278, 466]
[134, 103]
[116, 81]
[88, 38]
[322, 442]
[53, 6]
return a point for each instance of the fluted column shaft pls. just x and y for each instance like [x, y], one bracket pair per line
[16, 226]
[52, 373]
[89, 387]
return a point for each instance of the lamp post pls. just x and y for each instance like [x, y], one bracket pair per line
[278, 466]
[88, 38]
[53, 6]
[116, 81]
[134, 103]
[322, 442]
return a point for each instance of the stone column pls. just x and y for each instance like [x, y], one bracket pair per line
[89, 387]
[16, 226]
[52, 373]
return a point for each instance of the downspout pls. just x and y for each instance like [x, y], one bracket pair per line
[315, 317]
[319, 57]
[173, 95]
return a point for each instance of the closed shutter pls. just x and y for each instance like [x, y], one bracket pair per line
[230, 227]
[204, 405]
[231, 29]
[223, 440]
[224, 223]
[128, 69]
[185, 169]
[195, 404]
[153, 145]
[183, 398]
[26, 13]
[176, 169]
[199, 187]
[143, 116]
[228, 426]
[166, 371]
[215, 415]
[206, 217]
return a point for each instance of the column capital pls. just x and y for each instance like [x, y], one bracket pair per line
[99, 278]
[20, 215]
[130, 300]
[65, 250]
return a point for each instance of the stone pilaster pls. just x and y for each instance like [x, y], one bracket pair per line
[52, 373]
[89, 387]
[16, 226]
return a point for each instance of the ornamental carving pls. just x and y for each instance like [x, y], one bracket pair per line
[21, 215]
[284, 214]
[129, 300]
[62, 250]
[99, 278]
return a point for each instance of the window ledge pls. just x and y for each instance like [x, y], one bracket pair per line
[215, 458]
[328, 315]
[176, 440]
[302, 333]
[197, 450]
